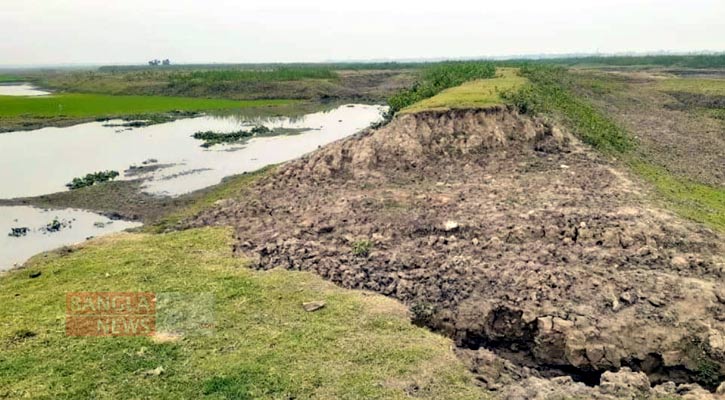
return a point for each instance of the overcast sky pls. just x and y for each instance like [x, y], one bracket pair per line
[132, 31]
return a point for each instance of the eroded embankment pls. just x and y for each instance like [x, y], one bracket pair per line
[509, 236]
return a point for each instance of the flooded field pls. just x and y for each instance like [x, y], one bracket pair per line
[43, 161]
[23, 89]
[26, 231]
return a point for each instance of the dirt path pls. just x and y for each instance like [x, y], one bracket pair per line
[540, 258]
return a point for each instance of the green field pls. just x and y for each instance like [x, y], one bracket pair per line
[10, 78]
[264, 345]
[93, 105]
[475, 94]
[709, 87]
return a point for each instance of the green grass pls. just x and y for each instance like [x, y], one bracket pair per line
[264, 344]
[93, 105]
[480, 93]
[550, 93]
[709, 87]
[4, 78]
[438, 78]
[690, 199]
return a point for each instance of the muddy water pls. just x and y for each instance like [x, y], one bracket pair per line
[43, 161]
[75, 227]
[22, 89]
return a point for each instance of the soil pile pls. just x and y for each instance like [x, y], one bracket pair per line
[538, 257]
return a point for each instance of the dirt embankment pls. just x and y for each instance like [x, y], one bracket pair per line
[536, 255]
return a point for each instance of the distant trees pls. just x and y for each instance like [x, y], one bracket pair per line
[156, 62]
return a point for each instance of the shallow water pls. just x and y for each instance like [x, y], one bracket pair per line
[79, 225]
[22, 89]
[39, 162]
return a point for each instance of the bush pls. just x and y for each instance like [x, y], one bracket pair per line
[362, 248]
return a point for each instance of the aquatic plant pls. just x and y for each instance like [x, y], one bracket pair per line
[92, 179]
[212, 138]
[18, 232]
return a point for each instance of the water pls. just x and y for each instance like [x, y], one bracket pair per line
[42, 161]
[22, 89]
[77, 225]
[39, 162]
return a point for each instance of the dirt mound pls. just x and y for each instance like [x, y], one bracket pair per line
[506, 234]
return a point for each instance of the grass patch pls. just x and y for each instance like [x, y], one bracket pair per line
[439, 77]
[709, 87]
[264, 344]
[550, 93]
[480, 93]
[94, 105]
[5, 78]
[690, 199]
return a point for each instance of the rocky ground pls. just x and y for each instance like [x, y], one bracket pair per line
[540, 258]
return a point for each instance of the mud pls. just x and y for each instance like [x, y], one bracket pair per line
[509, 236]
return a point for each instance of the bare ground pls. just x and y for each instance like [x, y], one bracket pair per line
[542, 260]
[672, 133]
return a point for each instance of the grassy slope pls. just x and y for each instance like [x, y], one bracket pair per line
[92, 105]
[475, 94]
[551, 92]
[264, 346]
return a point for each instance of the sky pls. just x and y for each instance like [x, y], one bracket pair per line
[46, 32]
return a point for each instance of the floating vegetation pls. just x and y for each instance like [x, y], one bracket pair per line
[92, 179]
[56, 225]
[18, 232]
[212, 138]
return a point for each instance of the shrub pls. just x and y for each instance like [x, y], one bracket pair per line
[362, 248]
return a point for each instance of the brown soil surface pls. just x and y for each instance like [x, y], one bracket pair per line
[674, 134]
[536, 255]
